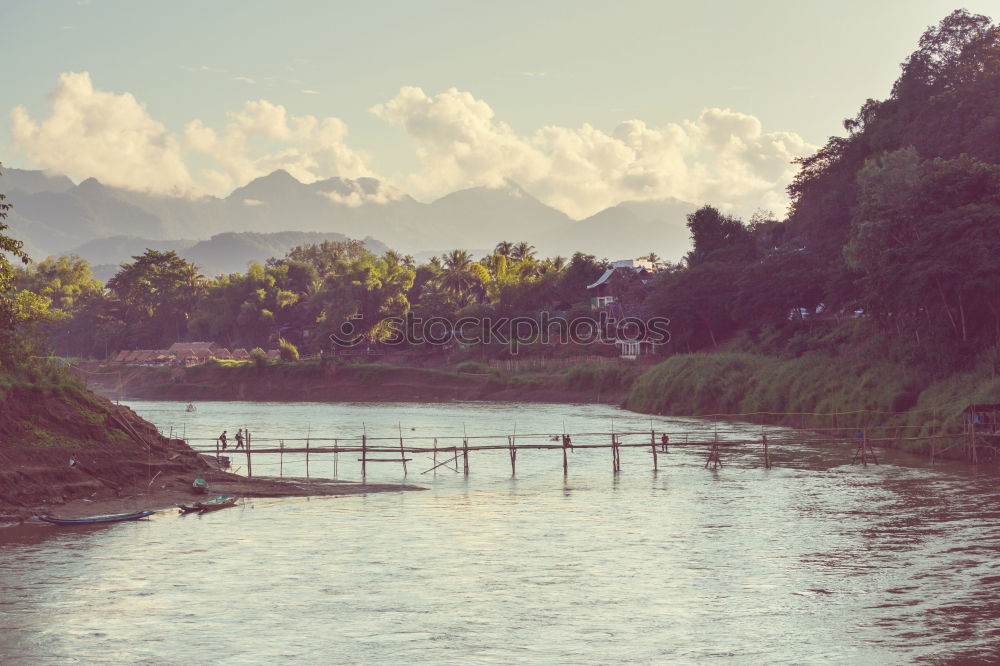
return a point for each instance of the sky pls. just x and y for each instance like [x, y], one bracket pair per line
[584, 104]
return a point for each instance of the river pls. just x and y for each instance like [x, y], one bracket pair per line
[816, 560]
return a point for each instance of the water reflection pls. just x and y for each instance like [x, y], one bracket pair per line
[812, 560]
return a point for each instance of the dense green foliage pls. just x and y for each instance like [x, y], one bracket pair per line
[159, 298]
[896, 225]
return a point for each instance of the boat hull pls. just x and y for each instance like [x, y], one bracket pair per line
[95, 520]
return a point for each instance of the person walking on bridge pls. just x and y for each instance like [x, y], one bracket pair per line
[239, 439]
[223, 440]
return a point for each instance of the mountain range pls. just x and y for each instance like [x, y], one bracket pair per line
[107, 225]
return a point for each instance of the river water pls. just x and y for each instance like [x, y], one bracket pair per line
[815, 560]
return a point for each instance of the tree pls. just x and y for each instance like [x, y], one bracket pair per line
[504, 248]
[287, 351]
[522, 251]
[157, 293]
[19, 309]
[716, 237]
[925, 243]
[462, 279]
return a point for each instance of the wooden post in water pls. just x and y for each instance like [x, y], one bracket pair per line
[465, 455]
[402, 453]
[364, 455]
[616, 461]
[513, 455]
[652, 446]
[565, 460]
[249, 459]
[435, 455]
[767, 454]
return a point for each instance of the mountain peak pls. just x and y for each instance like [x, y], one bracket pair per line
[275, 185]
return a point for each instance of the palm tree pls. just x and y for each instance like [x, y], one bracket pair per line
[522, 251]
[503, 248]
[458, 278]
[652, 257]
[557, 263]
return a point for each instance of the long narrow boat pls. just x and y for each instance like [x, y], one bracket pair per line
[214, 504]
[115, 518]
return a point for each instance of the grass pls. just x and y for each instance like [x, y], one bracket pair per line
[811, 391]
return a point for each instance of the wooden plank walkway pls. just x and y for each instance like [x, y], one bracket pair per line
[402, 448]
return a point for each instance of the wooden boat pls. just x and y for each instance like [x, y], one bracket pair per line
[115, 518]
[214, 504]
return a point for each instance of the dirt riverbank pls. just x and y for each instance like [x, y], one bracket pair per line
[69, 453]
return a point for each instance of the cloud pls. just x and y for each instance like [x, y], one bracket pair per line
[358, 195]
[533, 74]
[307, 91]
[244, 79]
[723, 157]
[112, 137]
[107, 135]
[307, 147]
[206, 68]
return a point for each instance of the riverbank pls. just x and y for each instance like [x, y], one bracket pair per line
[363, 382]
[811, 391]
[68, 452]
[815, 391]
[167, 494]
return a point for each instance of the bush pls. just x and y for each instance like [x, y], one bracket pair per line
[287, 350]
[259, 357]
[475, 368]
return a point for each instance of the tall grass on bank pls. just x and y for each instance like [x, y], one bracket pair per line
[812, 391]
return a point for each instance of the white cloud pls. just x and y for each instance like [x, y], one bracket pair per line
[309, 149]
[357, 195]
[244, 79]
[107, 135]
[307, 91]
[723, 157]
[113, 138]
[253, 202]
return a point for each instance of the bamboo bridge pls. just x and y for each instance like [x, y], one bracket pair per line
[455, 450]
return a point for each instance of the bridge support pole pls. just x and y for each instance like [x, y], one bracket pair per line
[652, 446]
[714, 459]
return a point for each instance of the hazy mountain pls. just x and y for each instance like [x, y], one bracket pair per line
[57, 221]
[481, 216]
[33, 182]
[54, 216]
[228, 252]
[636, 228]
